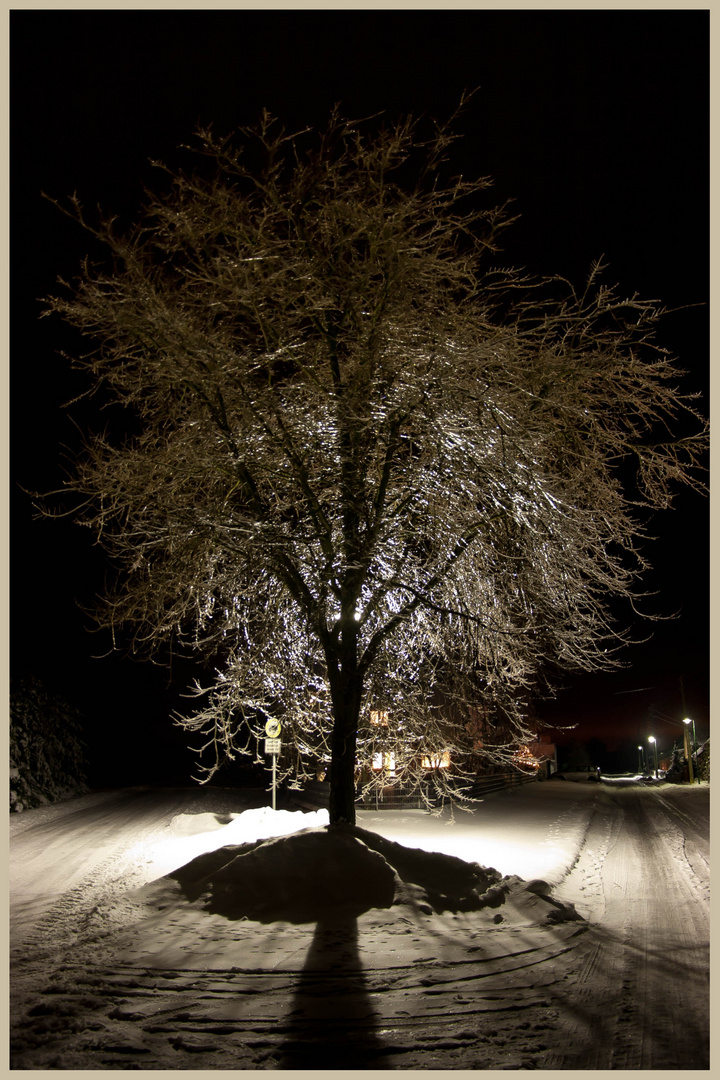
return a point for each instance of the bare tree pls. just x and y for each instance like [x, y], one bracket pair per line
[382, 486]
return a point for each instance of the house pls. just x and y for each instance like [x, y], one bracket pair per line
[544, 751]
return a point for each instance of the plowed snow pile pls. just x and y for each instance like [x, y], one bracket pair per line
[303, 877]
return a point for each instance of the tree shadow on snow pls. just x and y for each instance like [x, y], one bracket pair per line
[636, 1011]
[311, 877]
[332, 1020]
[330, 876]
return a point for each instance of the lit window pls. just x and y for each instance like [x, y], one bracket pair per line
[437, 761]
[379, 719]
[384, 761]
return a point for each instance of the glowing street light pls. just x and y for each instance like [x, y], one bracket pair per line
[651, 739]
[640, 759]
[687, 721]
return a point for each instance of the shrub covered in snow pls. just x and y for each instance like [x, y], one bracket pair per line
[702, 761]
[47, 759]
[676, 772]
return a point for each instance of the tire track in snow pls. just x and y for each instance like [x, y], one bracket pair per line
[646, 953]
[555, 998]
[418, 1015]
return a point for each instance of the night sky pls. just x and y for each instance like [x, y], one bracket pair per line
[595, 123]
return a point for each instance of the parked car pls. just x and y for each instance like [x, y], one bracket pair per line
[578, 772]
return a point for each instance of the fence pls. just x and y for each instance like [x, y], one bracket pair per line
[314, 796]
[486, 785]
[397, 797]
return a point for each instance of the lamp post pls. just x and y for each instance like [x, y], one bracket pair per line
[687, 721]
[640, 759]
[688, 749]
[651, 739]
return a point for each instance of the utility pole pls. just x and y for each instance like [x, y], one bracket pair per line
[686, 732]
[653, 740]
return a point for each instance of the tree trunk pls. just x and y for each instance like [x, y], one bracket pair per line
[346, 690]
[342, 771]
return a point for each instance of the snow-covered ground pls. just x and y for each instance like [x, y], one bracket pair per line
[536, 835]
[192, 930]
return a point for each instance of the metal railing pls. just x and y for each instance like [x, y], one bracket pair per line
[395, 797]
[314, 796]
[487, 785]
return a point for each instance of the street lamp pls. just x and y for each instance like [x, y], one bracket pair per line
[687, 721]
[640, 759]
[651, 739]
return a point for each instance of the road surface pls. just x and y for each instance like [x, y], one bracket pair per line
[643, 881]
[623, 987]
[68, 850]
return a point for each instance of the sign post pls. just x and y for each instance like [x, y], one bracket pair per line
[272, 746]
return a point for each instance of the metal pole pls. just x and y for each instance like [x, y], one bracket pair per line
[688, 749]
[694, 745]
[274, 757]
[697, 773]
[651, 739]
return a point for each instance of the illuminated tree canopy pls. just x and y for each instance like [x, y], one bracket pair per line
[366, 471]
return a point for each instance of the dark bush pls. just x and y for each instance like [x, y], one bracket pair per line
[47, 755]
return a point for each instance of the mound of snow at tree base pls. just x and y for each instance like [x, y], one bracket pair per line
[315, 871]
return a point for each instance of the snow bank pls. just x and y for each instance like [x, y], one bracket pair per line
[294, 878]
[264, 822]
[194, 834]
[298, 877]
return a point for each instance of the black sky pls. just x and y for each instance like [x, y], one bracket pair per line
[595, 123]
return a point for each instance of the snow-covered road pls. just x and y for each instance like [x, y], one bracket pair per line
[114, 969]
[643, 882]
[84, 843]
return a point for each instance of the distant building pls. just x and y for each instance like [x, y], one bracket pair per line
[544, 751]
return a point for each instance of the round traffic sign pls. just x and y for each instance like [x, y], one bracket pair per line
[273, 729]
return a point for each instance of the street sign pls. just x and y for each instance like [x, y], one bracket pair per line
[272, 746]
[273, 729]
